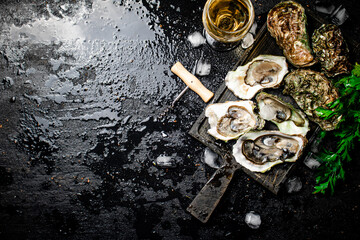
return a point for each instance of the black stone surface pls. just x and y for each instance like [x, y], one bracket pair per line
[83, 84]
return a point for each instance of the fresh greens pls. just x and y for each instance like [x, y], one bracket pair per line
[346, 134]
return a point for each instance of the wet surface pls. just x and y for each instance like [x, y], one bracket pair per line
[83, 88]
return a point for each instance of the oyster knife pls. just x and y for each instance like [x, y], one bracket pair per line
[209, 196]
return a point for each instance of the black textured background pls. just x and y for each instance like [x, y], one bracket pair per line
[83, 84]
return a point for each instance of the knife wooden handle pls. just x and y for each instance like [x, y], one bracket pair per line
[192, 81]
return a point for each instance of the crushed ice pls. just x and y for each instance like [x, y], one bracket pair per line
[203, 67]
[163, 161]
[316, 145]
[253, 28]
[293, 184]
[211, 159]
[253, 220]
[337, 15]
[325, 9]
[311, 161]
[249, 39]
[196, 39]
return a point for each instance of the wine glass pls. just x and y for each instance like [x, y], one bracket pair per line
[226, 22]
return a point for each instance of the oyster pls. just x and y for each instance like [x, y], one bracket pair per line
[264, 71]
[232, 119]
[311, 90]
[260, 151]
[331, 50]
[286, 22]
[288, 119]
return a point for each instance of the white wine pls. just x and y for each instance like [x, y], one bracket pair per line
[227, 21]
[229, 15]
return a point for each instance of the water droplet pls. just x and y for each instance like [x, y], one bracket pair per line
[12, 99]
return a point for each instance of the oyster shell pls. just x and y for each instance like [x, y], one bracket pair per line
[261, 150]
[287, 22]
[288, 119]
[311, 90]
[264, 71]
[331, 50]
[232, 119]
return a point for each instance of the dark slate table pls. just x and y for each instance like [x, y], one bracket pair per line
[83, 88]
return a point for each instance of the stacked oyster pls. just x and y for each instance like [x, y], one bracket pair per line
[286, 22]
[330, 48]
[311, 90]
[259, 150]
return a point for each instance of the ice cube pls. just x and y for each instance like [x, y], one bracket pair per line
[325, 9]
[253, 220]
[211, 159]
[203, 68]
[317, 142]
[253, 28]
[163, 161]
[315, 146]
[339, 16]
[311, 161]
[247, 41]
[293, 184]
[196, 39]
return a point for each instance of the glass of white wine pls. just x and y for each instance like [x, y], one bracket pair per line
[226, 22]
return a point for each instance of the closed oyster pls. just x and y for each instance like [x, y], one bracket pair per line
[264, 71]
[288, 119]
[311, 90]
[287, 22]
[331, 50]
[261, 150]
[232, 119]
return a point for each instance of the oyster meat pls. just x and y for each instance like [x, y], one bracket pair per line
[287, 22]
[288, 119]
[331, 50]
[259, 151]
[264, 71]
[232, 119]
[311, 90]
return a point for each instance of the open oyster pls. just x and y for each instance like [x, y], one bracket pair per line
[286, 22]
[264, 71]
[261, 150]
[311, 90]
[331, 50]
[232, 119]
[288, 119]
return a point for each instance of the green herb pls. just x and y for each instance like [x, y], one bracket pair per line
[347, 132]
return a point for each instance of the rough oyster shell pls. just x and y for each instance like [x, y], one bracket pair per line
[331, 50]
[232, 119]
[311, 90]
[287, 22]
[288, 119]
[261, 150]
[264, 71]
